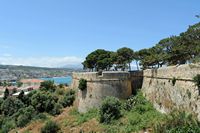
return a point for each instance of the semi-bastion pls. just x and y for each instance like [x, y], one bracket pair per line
[168, 88]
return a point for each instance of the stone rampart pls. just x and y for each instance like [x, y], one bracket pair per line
[158, 87]
[114, 83]
[156, 84]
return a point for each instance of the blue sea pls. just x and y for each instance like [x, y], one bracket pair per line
[60, 80]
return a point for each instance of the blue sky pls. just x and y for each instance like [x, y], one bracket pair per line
[56, 33]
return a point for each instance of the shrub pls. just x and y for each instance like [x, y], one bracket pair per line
[197, 80]
[110, 110]
[48, 86]
[173, 81]
[60, 91]
[21, 96]
[57, 109]
[40, 116]
[43, 101]
[24, 116]
[6, 94]
[82, 84]
[61, 85]
[11, 105]
[50, 127]
[7, 125]
[68, 98]
[134, 101]
[178, 122]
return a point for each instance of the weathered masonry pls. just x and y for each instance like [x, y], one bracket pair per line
[117, 84]
[167, 88]
[173, 88]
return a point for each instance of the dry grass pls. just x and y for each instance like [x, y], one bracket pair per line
[67, 123]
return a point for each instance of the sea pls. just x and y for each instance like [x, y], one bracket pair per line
[60, 80]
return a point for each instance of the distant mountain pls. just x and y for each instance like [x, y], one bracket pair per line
[12, 72]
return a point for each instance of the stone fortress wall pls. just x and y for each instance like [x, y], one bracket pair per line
[184, 95]
[115, 84]
[156, 85]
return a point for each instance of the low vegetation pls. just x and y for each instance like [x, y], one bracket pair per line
[19, 111]
[178, 122]
[135, 114]
[173, 81]
[82, 84]
[197, 80]
[50, 127]
[110, 110]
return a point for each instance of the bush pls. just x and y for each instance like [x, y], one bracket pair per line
[48, 86]
[50, 127]
[6, 94]
[197, 80]
[7, 125]
[68, 98]
[82, 84]
[56, 110]
[11, 105]
[173, 81]
[40, 116]
[24, 116]
[134, 101]
[110, 110]
[178, 122]
[60, 91]
[43, 101]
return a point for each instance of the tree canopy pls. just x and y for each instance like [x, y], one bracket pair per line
[173, 50]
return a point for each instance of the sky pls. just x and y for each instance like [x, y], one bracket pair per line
[57, 33]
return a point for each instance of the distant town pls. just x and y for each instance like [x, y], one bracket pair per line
[26, 78]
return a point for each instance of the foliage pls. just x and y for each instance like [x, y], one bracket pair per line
[10, 106]
[124, 57]
[60, 91]
[19, 111]
[173, 81]
[19, 84]
[7, 125]
[197, 80]
[6, 94]
[134, 100]
[48, 86]
[173, 50]
[138, 115]
[99, 59]
[68, 98]
[84, 117]
[57, 109]
[82, 84]
[43, 101]
[110, 110]
[24, 116]
[21, 96]
[50, 127]
[180, 122]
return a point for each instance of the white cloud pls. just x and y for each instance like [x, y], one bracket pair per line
[70, 61]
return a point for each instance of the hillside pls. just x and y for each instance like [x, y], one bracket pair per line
[11, 72]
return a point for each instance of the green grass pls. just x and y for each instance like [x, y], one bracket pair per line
[141, 116]
[84, 117]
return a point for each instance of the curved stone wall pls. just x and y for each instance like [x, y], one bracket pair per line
[117, 84]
